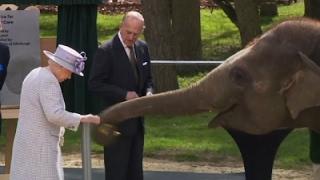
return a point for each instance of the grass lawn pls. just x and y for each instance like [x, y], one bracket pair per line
[188, 138]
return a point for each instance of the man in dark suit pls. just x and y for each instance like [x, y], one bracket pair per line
[121, 71]
[4, 60]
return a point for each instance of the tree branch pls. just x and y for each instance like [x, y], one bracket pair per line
[228, 9]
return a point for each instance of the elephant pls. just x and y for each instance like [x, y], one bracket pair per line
[268, 85]
[260, 93]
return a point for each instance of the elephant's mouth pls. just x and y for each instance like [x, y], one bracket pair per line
[220, 118]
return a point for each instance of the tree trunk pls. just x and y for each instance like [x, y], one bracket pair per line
[312, 8]
[187, 32]
[173, 33]
[306, 8]
[245, 16]
[248, 20]
[186, 29]
[158, 34]
[268, 9]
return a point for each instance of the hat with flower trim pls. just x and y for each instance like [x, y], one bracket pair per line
[68, 58]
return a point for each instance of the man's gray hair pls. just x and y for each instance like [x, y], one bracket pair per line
[133, 14]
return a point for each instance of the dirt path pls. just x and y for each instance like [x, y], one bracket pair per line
[74, 160]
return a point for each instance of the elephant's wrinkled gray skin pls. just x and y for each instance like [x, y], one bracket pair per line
[270, 84]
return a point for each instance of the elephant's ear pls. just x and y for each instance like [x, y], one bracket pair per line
[304, 90]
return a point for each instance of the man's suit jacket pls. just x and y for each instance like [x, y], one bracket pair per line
[112, 76]
[4, 60]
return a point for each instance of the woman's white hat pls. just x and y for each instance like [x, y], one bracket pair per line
[68, 58]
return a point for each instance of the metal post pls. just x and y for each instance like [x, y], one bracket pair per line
[86, 152]
[186, 62]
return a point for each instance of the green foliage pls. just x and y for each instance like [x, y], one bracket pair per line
[48, 25]
[294, 151]
[187, 80]
[2, 139]
[188, 138]
[107, 26]
[220, 36]
[285, 13]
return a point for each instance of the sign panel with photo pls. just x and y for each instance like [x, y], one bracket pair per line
[21, 33]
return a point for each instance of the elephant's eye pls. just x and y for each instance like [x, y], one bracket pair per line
[239, 76]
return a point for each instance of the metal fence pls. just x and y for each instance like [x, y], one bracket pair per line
[86, 134]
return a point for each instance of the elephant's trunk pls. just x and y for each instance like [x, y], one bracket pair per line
[178, 102]
[213, 93]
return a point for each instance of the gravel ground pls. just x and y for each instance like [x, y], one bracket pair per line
[74, 160]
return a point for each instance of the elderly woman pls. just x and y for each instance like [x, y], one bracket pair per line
[42, 118]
